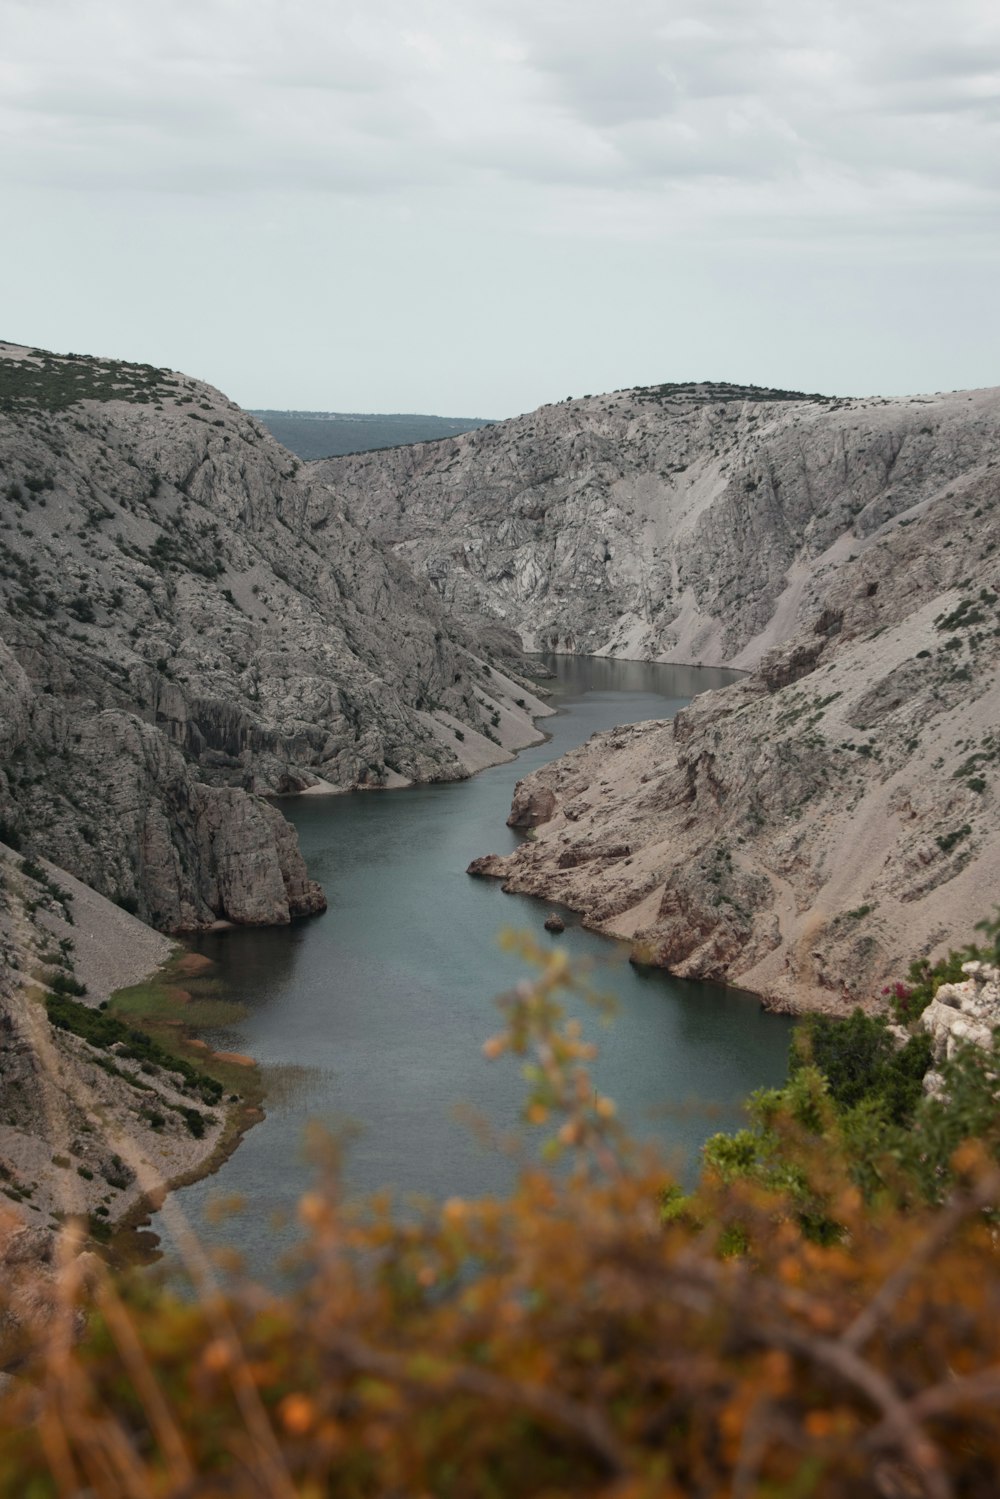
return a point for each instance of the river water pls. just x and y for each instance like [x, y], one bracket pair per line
[373, 1016]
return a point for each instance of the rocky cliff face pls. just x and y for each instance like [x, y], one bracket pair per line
[183, 630]
[194, 618]
[85, 1126]
[966, 1013]
[806, 832]
[675, 523]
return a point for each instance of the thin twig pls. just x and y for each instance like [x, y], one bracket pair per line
[960, 1206]
[897, 1415]
[753, 1444]
[982, 1388]
[558, 1410]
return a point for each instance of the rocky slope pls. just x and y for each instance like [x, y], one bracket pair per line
[801, 834]
[807, 831]
[182, 630]
[961, 1014]
[677, 523]
[85, 1127]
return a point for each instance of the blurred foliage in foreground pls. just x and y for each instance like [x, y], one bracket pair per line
[821, 1317]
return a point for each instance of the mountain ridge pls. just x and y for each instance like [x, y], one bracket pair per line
[179, 637]
[663, 523]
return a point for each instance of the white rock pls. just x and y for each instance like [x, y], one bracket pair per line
[965, 1012]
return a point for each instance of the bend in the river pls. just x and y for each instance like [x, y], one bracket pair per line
[374, 1014]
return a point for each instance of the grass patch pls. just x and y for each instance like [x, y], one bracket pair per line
[169, 1009]
[158, 1002]
[152, 1023]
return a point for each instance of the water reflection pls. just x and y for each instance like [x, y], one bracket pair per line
[383, 1003]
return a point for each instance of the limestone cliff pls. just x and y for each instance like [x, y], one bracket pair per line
[87, 1126]
[806, 831]
[181, 631]
[678, 523]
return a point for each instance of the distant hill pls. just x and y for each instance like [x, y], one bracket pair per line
[328, 434]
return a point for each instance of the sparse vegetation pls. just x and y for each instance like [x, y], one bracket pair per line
[102, 1029]
[53, 382]
[820, 1312]
[948, 840]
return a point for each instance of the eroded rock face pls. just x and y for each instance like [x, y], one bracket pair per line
[808, 831]
[134, 822]
[965, 1013]
[691, 524]
[181, 630]
[531, 806]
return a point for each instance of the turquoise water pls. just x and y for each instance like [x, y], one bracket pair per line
[373, 1016]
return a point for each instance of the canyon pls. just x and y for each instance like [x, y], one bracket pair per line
[197, 623]
[806, 832]
[182, 636]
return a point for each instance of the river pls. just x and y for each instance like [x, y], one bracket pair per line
[373, 1016]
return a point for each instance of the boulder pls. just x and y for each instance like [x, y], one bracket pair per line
[964, 1012]
[531, 806]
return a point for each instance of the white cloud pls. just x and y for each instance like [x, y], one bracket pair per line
[390, 96]
[434, 129]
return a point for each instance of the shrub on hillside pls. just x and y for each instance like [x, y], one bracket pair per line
[563, 1342]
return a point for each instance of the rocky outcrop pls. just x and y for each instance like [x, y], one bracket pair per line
[677, 523]
[88, 1127]
[965, 1013]
[121, 807]
[807, 831]
[183, 632]
[531, 806]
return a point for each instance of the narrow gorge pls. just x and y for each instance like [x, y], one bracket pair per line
[804, 833]
[182, 641]
[196, 623]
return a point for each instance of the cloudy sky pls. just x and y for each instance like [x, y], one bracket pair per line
[474, 206]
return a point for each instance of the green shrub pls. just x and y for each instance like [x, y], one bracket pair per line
[61, 982]
[103, 1030]
[861, 1062]
[949, 840]
[195, 1122]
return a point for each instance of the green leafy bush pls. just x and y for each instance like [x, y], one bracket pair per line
[860, 1061]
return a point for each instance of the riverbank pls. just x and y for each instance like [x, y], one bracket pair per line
[372, 1018]
[171, 1006]
[411, 937]
[109, 1097]
[802, 835]
[175, 1014]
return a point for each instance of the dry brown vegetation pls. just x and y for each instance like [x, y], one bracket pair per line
[571, 1340]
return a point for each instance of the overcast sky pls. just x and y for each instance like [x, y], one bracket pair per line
[474, 206]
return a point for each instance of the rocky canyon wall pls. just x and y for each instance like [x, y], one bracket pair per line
[806, 832]
[181, 632]
[678, 523]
